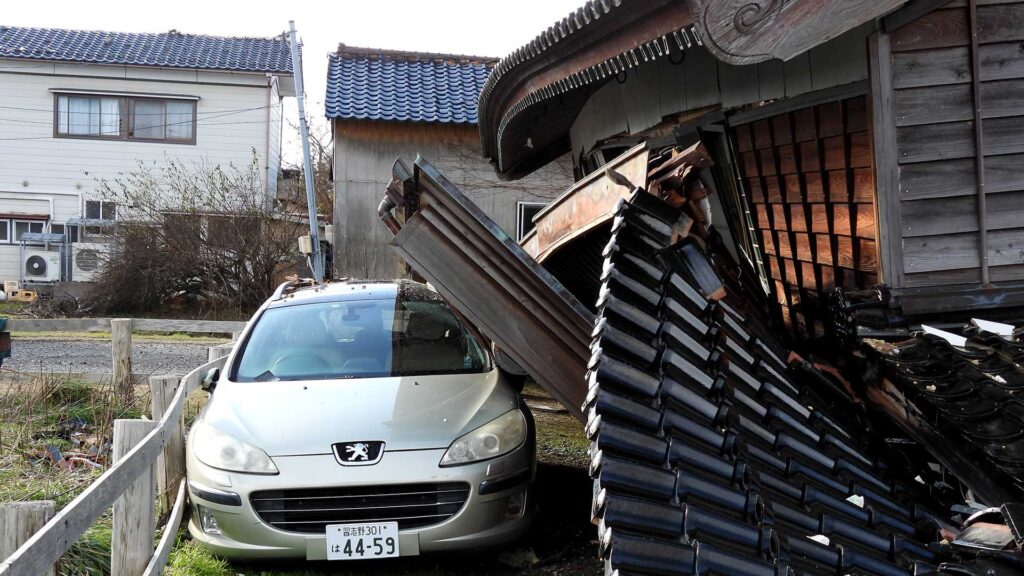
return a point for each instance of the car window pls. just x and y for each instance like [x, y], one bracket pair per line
[413, 334]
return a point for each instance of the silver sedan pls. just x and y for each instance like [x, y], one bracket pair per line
[359, 421]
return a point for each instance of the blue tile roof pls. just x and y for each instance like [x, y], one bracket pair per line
[366, 84]
[169, 49]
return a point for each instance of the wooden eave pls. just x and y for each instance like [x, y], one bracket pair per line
[533, 96]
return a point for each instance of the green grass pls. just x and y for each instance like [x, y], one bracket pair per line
[54, 410]
[11, 308]
[190, 559]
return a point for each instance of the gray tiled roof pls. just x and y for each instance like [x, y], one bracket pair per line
[168, 49]
[367, 84]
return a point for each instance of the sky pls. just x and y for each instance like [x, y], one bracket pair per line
[480, 27]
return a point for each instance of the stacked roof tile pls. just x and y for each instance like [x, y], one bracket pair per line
[366, 84]
[169, 49]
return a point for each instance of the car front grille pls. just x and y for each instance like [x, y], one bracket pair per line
[310, 510]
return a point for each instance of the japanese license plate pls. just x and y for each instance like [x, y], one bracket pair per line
[364, 541]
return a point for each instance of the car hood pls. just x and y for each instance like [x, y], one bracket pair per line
[407, 413]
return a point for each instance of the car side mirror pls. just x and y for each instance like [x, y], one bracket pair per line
[209, 381]
[513, 372]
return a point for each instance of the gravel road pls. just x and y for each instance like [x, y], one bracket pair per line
[92, 357]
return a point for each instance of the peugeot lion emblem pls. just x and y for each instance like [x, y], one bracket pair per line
[361, 453]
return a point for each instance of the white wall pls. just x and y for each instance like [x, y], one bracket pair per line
[233, 120]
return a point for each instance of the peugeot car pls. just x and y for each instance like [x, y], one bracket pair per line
[359, 421]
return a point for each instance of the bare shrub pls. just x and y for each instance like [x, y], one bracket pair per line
[193, 236]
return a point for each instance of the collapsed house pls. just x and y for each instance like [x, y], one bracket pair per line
[756, 293]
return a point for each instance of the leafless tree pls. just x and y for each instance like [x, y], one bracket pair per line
[195, 235]
[321, 152]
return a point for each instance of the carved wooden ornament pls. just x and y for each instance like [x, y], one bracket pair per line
[750, 31]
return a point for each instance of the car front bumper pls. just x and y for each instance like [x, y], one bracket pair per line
[483, 521]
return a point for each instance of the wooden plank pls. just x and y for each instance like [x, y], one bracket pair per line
[837, 188]
[860, 150]
[170, 534]
[131, 540]
[830, 119]
[792, 188]
[857, 119]
[802, 247]
[797, 75]
[823, 249]
[755, 190]
[841, 223]
[772, 190]
[957, 215]
[768, 242]
[787, 159]
[767, 159]
[997, 274]
[1003, 61]
[819, 219]
[19, 521]
[121, 352]
[171, 463]
[835, 152]
[797, 218]
[138, 325]
[762, 131]
[782, 130]
[886, 167]
[810, 158]
[785, 248]
[944, 28]
[805, 126]
[50, 543]
[762, 216]
[864, 221]
[957, 251]
[956, 177]
[844, 252]
[744, 141]
[956, 140]
[863, 185]
[867, 255]
[808, 277]
[934, 104]
[814, 188]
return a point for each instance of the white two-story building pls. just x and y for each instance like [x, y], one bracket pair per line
[77, 107]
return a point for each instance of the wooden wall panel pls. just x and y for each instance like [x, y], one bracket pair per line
[932, 77]
[810, 181]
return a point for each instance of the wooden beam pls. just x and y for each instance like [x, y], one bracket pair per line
[121, 350]
[19, 521]
[171, 464]
[131, 540]
[887, 204]
[909, 13]
[751, 32]
[979, 149]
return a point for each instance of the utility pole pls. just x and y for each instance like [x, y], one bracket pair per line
[307, 163]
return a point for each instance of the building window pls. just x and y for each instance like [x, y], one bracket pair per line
[70, 230]
[125, 118]
[23, 226]
[100, 210]
[525, 211]
[5, 231]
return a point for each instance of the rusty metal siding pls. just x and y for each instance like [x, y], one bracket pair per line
[364, 153]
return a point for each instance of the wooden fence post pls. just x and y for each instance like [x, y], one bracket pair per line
[171, 463]
[121, 344]
[19, 521]
[131, 542]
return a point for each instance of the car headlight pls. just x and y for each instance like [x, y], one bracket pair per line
[218, 449]
[499, 436]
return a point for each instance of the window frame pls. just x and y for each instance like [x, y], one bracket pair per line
[85, 209]
[520, 212]
[126, 123]
[6, 223]
[12, 232]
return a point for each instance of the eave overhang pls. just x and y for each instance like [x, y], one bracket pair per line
[532, 97]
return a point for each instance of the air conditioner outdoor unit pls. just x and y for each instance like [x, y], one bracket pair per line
[41, 265]
[86, 260]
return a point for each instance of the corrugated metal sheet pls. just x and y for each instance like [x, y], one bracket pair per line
[488, 278]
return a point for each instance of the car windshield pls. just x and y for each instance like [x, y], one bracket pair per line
[413, 334]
